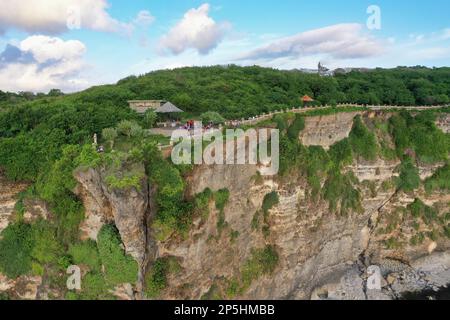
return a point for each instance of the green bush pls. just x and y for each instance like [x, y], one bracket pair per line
[86, 253]
[201, 203]
[439, 181]
[281, 122]
[363, 142]
[296, 127]
[409, 176]
[341, 153]
[420, 134]
[119, 267]
[16, 247]
[110, 135]
[340, 192]
[419, 210]
[156, 278]
[221, 197]
[261, 262]
[47, 250]
[150, 118]
[213, 117]
[127, 181]
[270, 200]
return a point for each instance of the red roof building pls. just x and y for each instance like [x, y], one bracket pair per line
[307, 99]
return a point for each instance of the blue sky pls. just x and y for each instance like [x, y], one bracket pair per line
[117, 38]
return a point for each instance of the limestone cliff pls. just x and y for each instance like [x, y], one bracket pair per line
[126, 208]
[321, 254]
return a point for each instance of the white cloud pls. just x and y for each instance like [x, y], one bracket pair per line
[40, 63]
[144, 18]
[446, 34]
[341, 41]
[196, 30]
[55, 16]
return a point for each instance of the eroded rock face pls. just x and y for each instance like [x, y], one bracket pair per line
[322, 255]
[327, 130]
[126, 208]
[8, 198]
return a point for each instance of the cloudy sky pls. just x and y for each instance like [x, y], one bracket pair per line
[74, 44]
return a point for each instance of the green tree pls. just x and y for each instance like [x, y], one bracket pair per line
[110, 135]
[150, 118]
[212, 117]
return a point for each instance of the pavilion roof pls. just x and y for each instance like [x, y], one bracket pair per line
[168, 107]
[307, 98]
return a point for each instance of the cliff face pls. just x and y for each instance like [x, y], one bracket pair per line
[321, 254]
[317, 249]
[8, 199]
[325, 131]
[125, 208]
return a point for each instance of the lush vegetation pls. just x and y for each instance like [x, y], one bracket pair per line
[119, 267]
[221, 197]
[156, 279]
[261, 262]
[363, 142]
[238, 92]
[409, 179]
[419, 135]
[45, 138]
[439, 181]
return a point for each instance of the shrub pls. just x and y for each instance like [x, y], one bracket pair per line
[150, 118]
[119, 267]
[421, 134]
[47, 250]
[262, 261]
[110, 134]
[16, 247]
[125, 127]
[409, 176]
[212, 117]
[439, 181]
[222, 196]
[127, 181]
[296, 127]
[419, 210]
[201, 203]
[270, 200]
[281, 122]
[363, 141]
[156, 278]
[339, 192]
[341, 153]
[86, 253]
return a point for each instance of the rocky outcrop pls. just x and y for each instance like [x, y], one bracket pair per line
[126, 208]
[327, 130]
[443, 122]
[322, 255]
[8, 198]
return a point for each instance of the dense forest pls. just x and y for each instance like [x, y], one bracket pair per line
[37, 126]
[237, 92]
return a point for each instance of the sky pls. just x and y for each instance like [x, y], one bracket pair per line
[75, 44]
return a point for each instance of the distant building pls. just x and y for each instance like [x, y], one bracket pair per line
[324, 71]
[141, 106]
[307, 100]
